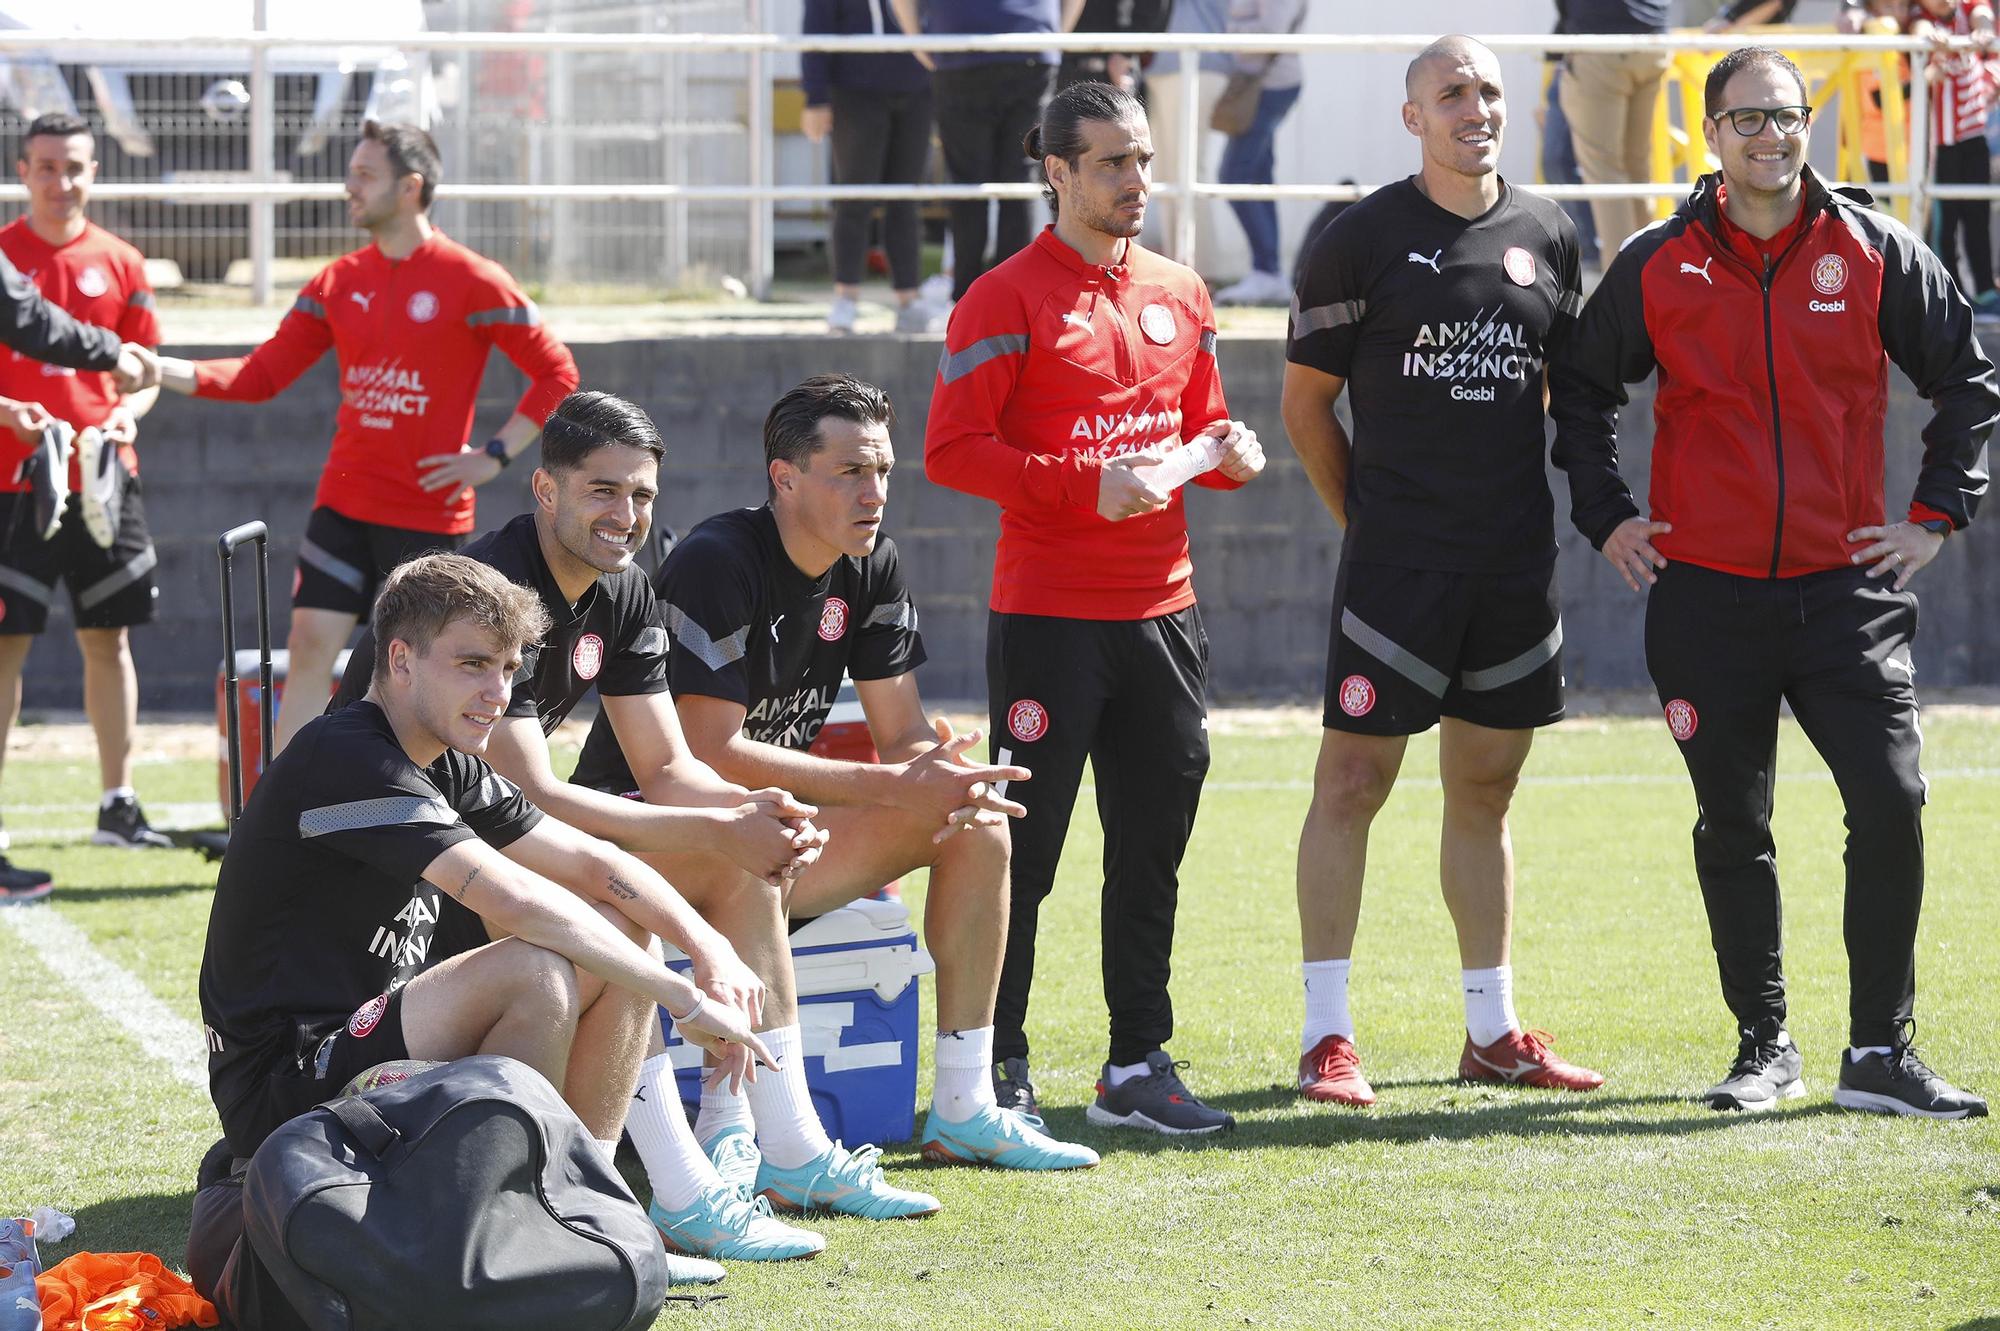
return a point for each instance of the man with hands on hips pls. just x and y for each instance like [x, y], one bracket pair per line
[1771, 306]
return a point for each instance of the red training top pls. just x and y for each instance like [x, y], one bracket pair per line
[100, 279]
[1051, 365]
[411, 337]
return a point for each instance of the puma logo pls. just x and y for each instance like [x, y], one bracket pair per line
[361, 300]
[1076, 320]
[1701, 272]
[1430, 263]
[774, 626]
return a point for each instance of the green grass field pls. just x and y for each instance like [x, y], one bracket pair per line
[1444, 1207]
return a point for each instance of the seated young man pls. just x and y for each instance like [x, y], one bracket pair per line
[765, 609]
[321, 959]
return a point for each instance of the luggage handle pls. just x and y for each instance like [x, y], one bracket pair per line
[365, 1121]
[250, 533]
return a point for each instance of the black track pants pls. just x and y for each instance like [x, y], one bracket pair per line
[1131, 695]
[1723, 652]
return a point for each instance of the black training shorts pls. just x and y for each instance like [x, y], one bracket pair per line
[1411, 645]
[342, 561]
[324, 1054]
[108, 589]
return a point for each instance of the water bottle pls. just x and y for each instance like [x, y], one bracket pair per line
[1199, 454]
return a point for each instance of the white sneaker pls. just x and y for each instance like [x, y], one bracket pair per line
[1257, 288]
[937, 290]
[103, 492]
[841, 316]
[922, 316]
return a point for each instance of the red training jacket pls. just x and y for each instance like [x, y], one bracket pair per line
[411, 337]
[101, 280]
[1051, 365]
[1773, 386]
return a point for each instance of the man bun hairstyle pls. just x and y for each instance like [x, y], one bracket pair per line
[412, 152]
[58, 124]
[424, 597]
[588, 420]
[1060, 133]
[791, 430]
[1742, 58]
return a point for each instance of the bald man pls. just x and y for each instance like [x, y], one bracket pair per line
[1435, 302]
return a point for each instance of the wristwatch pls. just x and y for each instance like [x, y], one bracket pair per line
[496, 448]
[1936, 526]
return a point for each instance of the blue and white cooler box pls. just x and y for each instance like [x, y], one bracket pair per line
[857, 971]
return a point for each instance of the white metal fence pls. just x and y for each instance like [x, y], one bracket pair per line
[616, 142]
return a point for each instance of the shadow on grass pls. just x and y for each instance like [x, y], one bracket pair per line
[154, 1222]
[1523, 1115]
[1979, 1324]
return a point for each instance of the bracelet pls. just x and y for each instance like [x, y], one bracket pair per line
[700, 1002]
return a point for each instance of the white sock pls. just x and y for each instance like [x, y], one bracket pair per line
[1489, 1003]
[1121, 1075]
[1326, 1002]
[964, 1074]
[1855, 1052]
[610, 1149]
[676, 1165]
[116, 793]
[788, 1127]
[722, 1108]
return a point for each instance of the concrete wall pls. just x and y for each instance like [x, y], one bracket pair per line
[1263, 556]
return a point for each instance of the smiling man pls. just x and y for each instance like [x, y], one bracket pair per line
[411, 319]
[1771, 307]
[101, 549]
[1434, 303]
[1068, 372]
[594, 496]
[767, 608]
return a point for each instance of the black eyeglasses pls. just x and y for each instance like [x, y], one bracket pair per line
[1749, 121]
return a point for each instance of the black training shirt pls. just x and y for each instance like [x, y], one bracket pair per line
[1441, 327]
[608, 639]
[745, 625]
[322, 903]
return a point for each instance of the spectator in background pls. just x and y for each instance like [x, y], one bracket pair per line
[1169, 81]
[877, 111]
[1610, 98]
[986, 104]
[1961, 93]
[1559, 150]
[1122, 70]
[1749, 14]
[1251, 157]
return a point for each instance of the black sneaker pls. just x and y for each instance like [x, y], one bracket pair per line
[46, 474]
[1012, 1089]
[19, 886]
[122, 823]
[1898, 1083]
[1157, 1102]
[1765, 1072]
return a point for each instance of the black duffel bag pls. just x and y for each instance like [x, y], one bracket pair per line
[469, 1196]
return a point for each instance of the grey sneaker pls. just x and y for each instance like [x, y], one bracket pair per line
[1898, 1083]
[123, 823]
[103, 485]
[920, 316]
[1157, 1102]
[1012, 1089]
[1765, 1072]
[841, 315]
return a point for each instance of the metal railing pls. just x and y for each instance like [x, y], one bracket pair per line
[263, 192]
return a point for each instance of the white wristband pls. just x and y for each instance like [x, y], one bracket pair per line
[700, 1001]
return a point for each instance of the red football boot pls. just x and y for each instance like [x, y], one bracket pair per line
[1525, 1059]
[1332, 1072]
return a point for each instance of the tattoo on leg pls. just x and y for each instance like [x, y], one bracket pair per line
[467, 884]
[623, 890]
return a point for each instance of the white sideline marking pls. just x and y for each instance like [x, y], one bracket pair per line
[115, 992]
